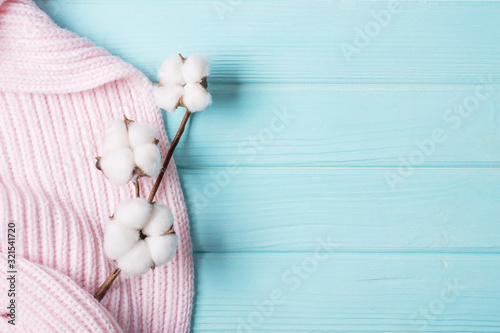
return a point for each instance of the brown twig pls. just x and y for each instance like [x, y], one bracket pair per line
[170, 152]
[103, 289]
[137, 188]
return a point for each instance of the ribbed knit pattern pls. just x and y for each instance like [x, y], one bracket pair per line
[57, 94]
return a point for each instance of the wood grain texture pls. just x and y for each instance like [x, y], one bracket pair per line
[321, 292]
[263, 199]
[263, 41]
[329, 125]
[275, 209]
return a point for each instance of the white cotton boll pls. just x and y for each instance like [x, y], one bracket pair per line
[161, 221]
[195, 68]
[139, 134]
[195, 98]
[115, 136]
[137, 261]
[148, 158]
[133, 213]
[118, 240]
[162, 248]
[167, 97]
[118, 166]
[171, 71]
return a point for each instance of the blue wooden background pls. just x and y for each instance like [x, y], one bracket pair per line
[346, 177]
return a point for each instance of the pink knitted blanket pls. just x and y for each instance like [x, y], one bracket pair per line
[57, 93]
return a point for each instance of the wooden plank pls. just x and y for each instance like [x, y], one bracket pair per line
[367, 125]
[275, 209]
[346, 292]
[304, 41]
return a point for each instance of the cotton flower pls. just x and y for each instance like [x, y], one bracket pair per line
[139, 236]
[183, 81]
[130, 150]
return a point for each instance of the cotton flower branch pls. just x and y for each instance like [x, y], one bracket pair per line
[140, 235]
[183, 82]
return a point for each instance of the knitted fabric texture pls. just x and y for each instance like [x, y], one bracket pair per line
[57, 94]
